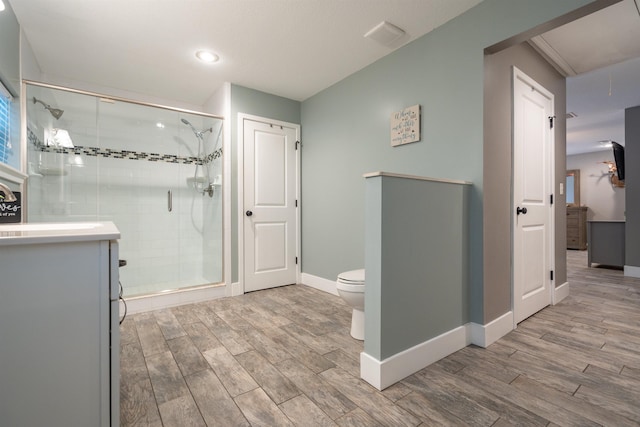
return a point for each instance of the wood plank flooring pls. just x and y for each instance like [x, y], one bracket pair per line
[284, 357]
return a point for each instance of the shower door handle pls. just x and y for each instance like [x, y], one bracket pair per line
[169, 200]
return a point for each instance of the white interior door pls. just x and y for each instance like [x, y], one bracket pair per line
[532, 221]
[269, 205]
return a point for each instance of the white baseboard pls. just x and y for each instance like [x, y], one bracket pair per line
[485, 335]
[631, 271]
[560, 293]
[382, 374]
[172, 299]
[319, 283]
[235, 289]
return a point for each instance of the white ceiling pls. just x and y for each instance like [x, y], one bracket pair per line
[600, 54]
[298, 48]
[289, 48]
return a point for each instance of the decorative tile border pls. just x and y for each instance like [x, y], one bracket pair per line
[122, 154]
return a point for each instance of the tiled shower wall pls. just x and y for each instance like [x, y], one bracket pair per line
[164, 249]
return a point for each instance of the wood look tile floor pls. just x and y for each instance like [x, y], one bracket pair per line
[284, 357]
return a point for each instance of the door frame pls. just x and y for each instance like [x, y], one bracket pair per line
[519, 74]
[238, 289]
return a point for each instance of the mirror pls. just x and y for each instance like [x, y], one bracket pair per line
[573, 187]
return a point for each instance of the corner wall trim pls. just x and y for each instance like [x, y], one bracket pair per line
[235, 289]
[319, 283]
[382, 374]
[485, 335]
[560, 293]
[631, 271]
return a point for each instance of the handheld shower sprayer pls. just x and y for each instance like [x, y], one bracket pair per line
[198, 134]
[201, 151]
[55, 112]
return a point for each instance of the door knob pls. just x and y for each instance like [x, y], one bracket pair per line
[249, 213]
[520, 210]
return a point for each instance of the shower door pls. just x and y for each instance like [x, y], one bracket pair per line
[140, 167]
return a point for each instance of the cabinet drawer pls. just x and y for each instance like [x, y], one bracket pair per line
[572, 221]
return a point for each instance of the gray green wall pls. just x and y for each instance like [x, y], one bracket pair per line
[345, 132]
[250, 101]
[416, 262]
[632, 186]
[497, 185]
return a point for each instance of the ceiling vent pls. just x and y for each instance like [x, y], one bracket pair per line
[571, 115]
[385, 33]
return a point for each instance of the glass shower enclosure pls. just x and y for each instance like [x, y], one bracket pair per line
[155, 172]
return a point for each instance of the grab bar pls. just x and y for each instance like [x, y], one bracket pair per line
[169, 200]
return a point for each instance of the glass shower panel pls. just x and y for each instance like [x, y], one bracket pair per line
[155, 172]
[62, 183]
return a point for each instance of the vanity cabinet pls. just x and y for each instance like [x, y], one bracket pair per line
[577, 227]
[59, 331]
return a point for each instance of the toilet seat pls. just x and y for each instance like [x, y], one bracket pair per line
[353, 277]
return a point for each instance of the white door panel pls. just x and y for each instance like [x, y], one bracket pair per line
[270, 205]
[532, 237]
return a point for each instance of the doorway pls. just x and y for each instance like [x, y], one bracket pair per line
[532, 223]
[269, 203]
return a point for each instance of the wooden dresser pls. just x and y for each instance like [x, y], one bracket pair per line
[577, 228]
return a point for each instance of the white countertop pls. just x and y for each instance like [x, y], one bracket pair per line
[35, 232]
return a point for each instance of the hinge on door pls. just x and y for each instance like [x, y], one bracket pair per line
[551, 118]
[296, 203]
[551, 199]
[296, 260]
[298, 143]
[551, 274]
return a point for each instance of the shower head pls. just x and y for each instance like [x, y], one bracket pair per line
[198, 134]
[55, 112]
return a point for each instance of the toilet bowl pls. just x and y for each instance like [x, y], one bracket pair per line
[350, 286]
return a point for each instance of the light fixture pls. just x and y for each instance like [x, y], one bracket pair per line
[1, 6]
[606, 143]
[207, 56]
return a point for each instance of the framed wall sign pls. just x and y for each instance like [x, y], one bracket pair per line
[405, 126]
[11, 212]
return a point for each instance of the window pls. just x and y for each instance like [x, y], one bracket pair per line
[5, 122]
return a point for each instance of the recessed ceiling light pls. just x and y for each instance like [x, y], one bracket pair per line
[206, 56]
[160, 125]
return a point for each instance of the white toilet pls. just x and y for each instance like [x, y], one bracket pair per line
[350, 285]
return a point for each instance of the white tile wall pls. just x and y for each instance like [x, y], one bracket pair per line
[164, 250]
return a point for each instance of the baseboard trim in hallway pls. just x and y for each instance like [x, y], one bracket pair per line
[632, 271]
[485, 335]
[560, 293]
